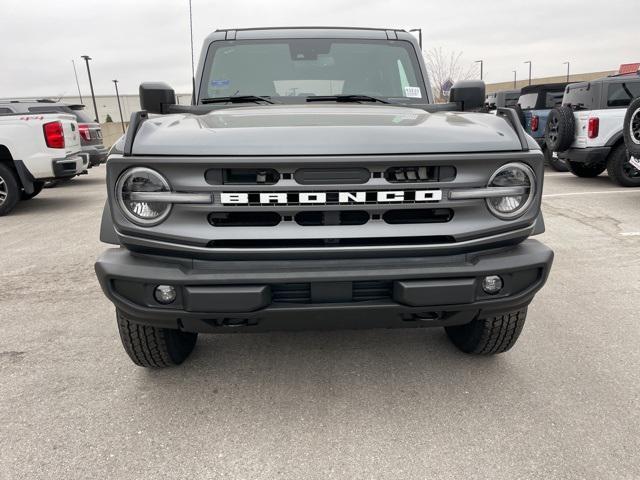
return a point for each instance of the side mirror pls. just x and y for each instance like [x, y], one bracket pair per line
[469, 93]
[155, 97]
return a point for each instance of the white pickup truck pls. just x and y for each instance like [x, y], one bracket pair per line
[33, 150]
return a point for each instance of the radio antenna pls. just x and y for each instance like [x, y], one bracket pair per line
[193, 70]
[77, 83]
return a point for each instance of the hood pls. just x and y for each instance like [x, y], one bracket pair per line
[323, 130]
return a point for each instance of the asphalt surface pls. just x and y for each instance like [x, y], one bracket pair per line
[564, 403]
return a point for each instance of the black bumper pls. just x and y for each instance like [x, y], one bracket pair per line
[222, 296]
[586, 155]
[97, 154]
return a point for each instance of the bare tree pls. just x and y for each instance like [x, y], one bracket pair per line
[445, 68]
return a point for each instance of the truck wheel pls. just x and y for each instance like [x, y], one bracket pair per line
[9, 190]
[37, 188]
[154, 347]
[486, 336]
[586, 170]
[558, 164]
[620, 170]
[631, 128]
[560, 129]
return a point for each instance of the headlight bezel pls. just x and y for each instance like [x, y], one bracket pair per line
[522, 209]
[124, 176]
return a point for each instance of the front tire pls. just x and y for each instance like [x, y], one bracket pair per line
[620, 170]
[154, 347]
[488, 336]
[586, 170]
[9, 190]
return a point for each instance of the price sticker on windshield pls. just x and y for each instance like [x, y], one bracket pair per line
[412, 92]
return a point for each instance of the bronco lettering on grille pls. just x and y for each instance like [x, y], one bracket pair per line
[329, 198]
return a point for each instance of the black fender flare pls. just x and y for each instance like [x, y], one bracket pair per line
[107, 230]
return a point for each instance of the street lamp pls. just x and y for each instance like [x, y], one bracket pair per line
[93, 96]
[567, 64]
[514, 79]
[481, 64]
[529, 62]
[115, 82]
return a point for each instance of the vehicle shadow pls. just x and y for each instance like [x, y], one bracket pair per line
[308, 366]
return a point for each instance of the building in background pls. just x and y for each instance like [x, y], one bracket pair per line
[577, 77]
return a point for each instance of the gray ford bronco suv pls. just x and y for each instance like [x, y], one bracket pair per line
[314, 184]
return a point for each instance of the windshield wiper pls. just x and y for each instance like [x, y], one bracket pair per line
[346, 98]
[239, 99]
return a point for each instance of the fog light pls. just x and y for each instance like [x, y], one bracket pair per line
[492, 284]
[164, 294]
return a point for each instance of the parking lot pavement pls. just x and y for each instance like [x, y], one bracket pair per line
[564, 403]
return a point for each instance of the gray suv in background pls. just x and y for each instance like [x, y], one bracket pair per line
[314, 184]
[89, 129]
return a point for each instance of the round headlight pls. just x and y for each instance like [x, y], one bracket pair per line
[142, 180]
[512, 175]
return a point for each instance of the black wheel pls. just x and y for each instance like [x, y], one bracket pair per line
[37, 188]
[560, 129]
[586, 170]
[620, 170]
[153, 347]
[520, 113]
[9, 190]
[631, 128]
[551, 159]
[487, 336]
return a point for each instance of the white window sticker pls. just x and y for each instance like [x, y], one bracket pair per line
[412, 92]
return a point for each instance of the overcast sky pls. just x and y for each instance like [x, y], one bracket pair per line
[142, 40]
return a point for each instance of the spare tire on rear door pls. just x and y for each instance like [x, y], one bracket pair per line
[560, 129]
[631, 129]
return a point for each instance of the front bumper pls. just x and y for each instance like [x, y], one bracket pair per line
[222, 296]
[586, 155]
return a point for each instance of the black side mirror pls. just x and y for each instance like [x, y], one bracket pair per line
[469, 93]
[156, 97]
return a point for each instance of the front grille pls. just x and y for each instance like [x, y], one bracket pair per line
[420, 174]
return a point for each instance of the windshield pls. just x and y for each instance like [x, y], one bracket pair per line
[301, 68]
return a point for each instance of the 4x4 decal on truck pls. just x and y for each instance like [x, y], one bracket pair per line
[329, 198]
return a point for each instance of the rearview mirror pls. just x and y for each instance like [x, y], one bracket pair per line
[469, 93]
[156, 97]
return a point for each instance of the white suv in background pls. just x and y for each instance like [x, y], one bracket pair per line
[587, 130]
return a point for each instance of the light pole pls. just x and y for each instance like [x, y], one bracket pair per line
[93, 96]
[115, 82]
[567, 64]
[529, 62]
[514, 79]
[75, 72]
[481, 62]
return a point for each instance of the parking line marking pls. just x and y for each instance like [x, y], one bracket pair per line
[601, 192]
[630, 234]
